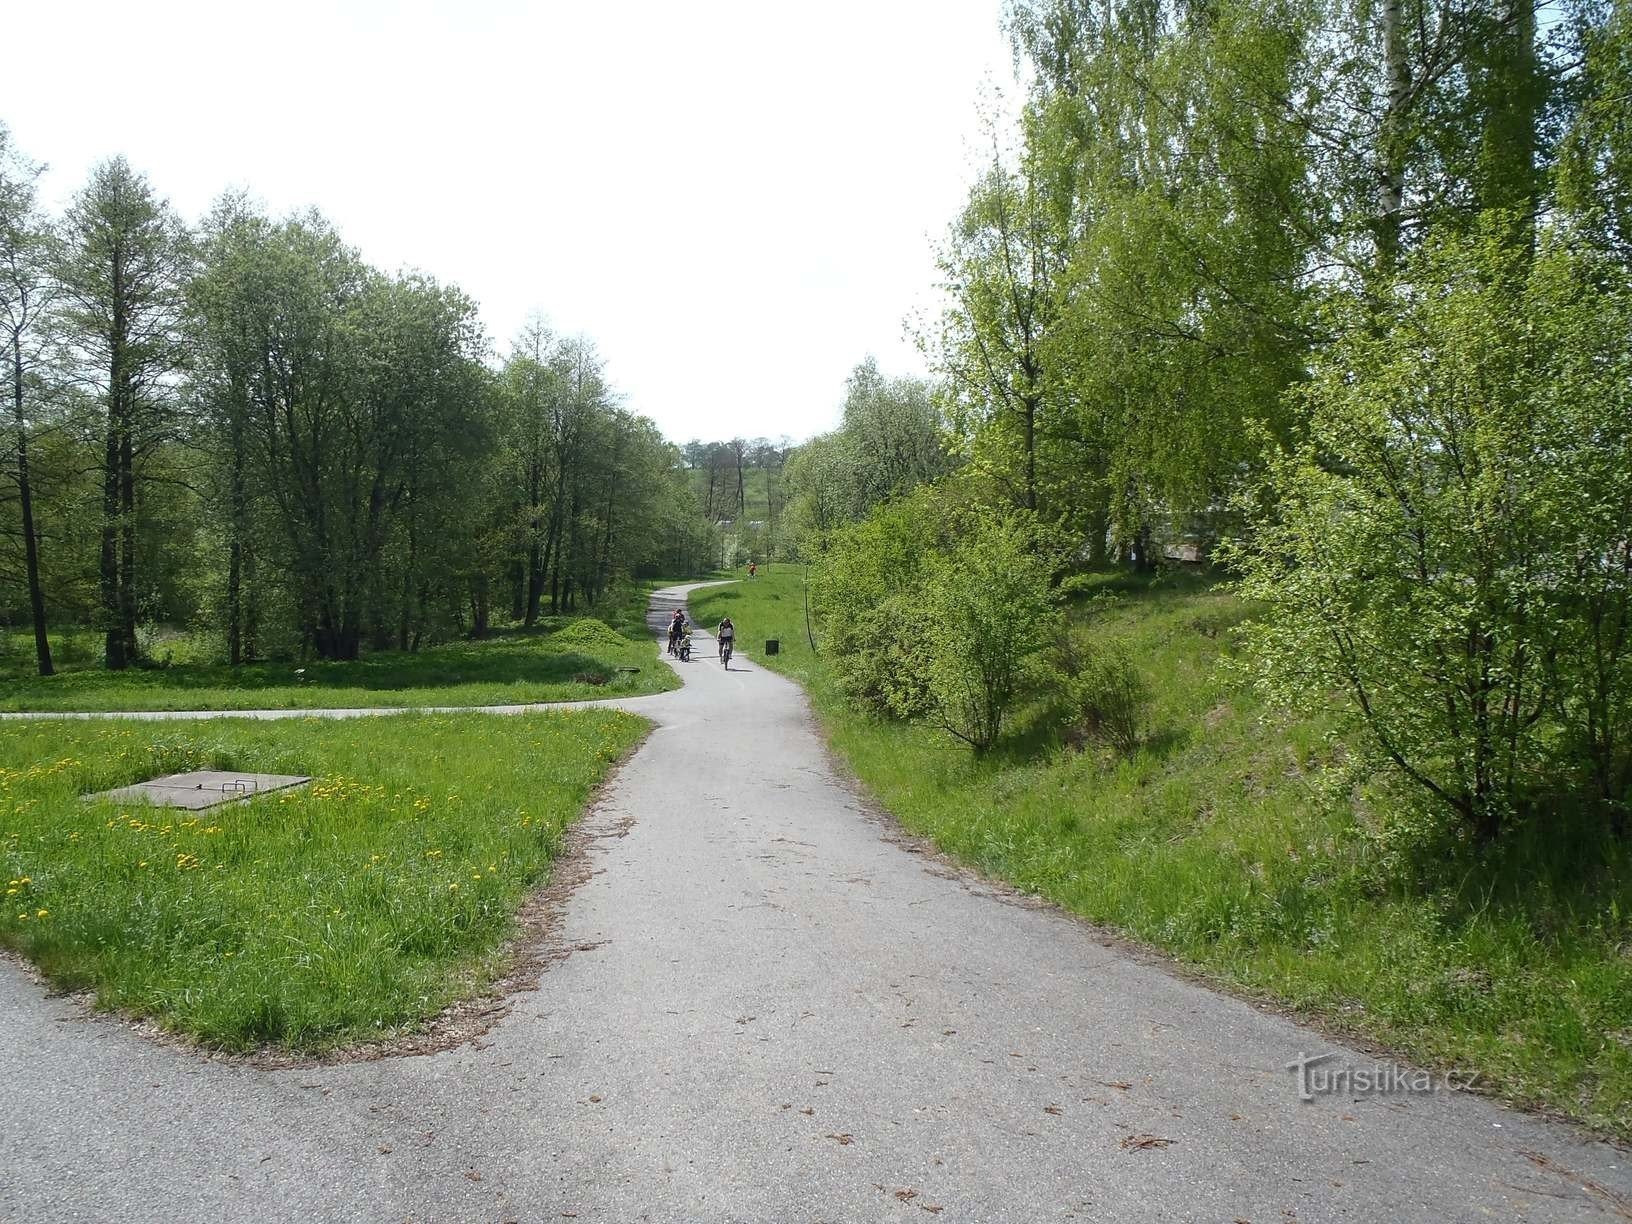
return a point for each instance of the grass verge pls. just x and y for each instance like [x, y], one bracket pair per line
[351, 910]
[1234, 840]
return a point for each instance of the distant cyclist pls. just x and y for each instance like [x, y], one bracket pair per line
[677, 626]
[727, 636]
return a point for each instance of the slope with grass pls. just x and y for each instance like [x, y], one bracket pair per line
[1234, 840]
[352, 909]
[562, 659]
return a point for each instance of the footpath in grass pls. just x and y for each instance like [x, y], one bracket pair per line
[354, 909]
[562, 659]
[1232, 841]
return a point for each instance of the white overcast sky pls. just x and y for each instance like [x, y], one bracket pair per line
[736, 201]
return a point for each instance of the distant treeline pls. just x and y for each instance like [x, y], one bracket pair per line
[242, 426]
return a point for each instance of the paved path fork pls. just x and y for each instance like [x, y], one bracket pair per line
[775, 1010]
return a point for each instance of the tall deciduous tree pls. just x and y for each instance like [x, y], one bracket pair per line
[25, 293]
[228, 301]
[124, 259]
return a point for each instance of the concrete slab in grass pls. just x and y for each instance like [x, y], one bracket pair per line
[204, 788]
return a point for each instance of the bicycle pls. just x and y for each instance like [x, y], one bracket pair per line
[725, 652]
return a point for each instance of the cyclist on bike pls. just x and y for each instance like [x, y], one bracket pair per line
[677, 626]
[727, 635]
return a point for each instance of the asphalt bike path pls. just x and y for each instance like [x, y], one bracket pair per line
[768, 1005]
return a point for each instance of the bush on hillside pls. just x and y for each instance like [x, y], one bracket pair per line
[865, 597]
[990, 608]
[932, 612]
[1101, 695]
[1112, 701]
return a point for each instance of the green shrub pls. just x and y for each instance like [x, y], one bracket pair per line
[990, 608]
[865, 598]
[887, 665]
[1111, 700]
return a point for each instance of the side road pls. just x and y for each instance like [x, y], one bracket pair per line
[774, 1009]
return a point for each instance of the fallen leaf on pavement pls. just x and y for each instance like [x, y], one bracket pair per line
[1141, 1142]
[844, 1140]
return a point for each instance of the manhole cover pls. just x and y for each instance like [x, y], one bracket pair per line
[202, 788]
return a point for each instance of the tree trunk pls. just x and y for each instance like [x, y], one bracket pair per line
[1031, 452]
[1391, 139]
[479, 606]
[1099, 528]
[25, 493]
[535, 549]
[127, 537]
[1511, 98]
[235, 550]
[235, 573]
[108, 565]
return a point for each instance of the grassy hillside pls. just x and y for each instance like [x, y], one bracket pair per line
[1235, 841]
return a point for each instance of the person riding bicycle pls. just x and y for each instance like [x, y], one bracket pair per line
[677, 626]
[727, 635]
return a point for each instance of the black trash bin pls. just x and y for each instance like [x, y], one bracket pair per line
[772, 646]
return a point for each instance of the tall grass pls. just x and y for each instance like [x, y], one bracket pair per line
[351, 909]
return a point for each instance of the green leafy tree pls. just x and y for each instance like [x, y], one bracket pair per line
[1450, 548]
[822, 481]
[124, 259]
[227, 299]
[895, 433]
[1595, 157]
[25, 295]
